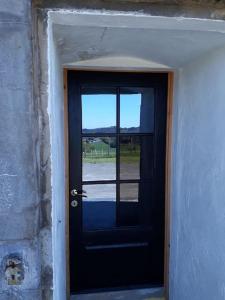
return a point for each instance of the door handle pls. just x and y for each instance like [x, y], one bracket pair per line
[75, 192]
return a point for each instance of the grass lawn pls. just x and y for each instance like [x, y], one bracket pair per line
[100, 152]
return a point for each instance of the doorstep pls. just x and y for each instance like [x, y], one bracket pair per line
[137, 294]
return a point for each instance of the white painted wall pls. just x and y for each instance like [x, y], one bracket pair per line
[197, 263]
[197, 260]
[56, 120]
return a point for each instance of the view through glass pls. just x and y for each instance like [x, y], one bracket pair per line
[117, 152]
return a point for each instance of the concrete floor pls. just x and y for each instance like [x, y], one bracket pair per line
[139, 294]
[107, 170]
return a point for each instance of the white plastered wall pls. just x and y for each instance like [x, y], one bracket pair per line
[197, 261]
[56, 121]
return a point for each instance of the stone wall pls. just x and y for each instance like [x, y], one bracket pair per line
[210, 9]
[19, 155]
[25, 153]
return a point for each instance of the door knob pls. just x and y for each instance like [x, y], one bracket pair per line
[75, 192]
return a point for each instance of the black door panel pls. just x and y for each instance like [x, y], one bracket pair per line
[117, 130]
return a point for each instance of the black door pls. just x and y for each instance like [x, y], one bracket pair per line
[117, 134]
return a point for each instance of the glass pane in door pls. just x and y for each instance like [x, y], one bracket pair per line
[99, 158]
[129, 204]
[136, 204]
[99, 208]
[136, 110]
[136, 157]
[129, 157]
[98, 110]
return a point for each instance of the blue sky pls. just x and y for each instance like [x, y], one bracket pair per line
[100, 110]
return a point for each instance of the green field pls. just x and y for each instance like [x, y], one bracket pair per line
[103, 152]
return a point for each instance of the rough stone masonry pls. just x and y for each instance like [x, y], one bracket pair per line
[25, 170]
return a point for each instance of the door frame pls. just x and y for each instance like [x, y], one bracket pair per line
[168, 174]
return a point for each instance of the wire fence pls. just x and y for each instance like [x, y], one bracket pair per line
[99, 154]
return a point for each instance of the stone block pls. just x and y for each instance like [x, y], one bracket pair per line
[18, 179]
[19, 13]
[28, 252]
[15, 294]
[16, 226]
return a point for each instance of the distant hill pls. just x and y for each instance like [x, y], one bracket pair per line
[111, 129]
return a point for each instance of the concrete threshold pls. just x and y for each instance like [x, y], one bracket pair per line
[137, 294]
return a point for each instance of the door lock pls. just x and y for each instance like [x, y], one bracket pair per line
[75, 192]
[74, 203]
